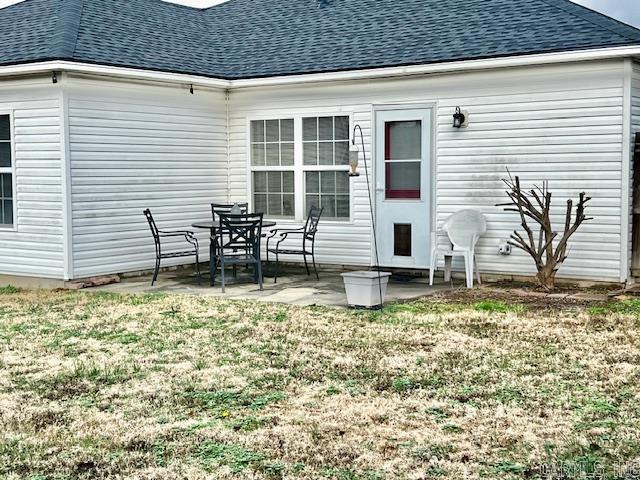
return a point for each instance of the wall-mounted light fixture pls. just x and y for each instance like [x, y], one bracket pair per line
[460, 118]
[54, 77]
[191, 89]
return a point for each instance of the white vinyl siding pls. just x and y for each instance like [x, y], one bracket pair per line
[556, 123]
[134, 147]
[33, 246]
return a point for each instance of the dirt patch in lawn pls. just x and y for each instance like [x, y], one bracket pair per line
[532, 298]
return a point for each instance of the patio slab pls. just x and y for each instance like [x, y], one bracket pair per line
[293, 287]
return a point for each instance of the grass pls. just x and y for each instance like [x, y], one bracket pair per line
[183, 387]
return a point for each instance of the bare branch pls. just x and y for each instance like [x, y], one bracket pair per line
[549, 249]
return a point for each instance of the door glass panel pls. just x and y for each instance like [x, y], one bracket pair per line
[402, 239]
[403, 140]
[402, 180]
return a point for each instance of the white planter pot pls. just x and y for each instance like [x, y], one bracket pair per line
[363, 288]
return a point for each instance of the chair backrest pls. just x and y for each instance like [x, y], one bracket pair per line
[152, 226]
[465, 227]
[218, 208]
[311, 226]
[241, 232]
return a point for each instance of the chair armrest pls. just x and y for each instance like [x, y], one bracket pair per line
[287, 230]
[280, 231]
[188, 236]
[175, 233]
[474, 241]
[439, 234]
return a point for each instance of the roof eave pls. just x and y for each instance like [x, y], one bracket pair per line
[446, 67]
[345, 75]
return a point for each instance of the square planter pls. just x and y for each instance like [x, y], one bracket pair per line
[363, 288]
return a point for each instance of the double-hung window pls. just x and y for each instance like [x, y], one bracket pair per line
[272, 163]
[326, 164]
[299, 163]
[6, 173]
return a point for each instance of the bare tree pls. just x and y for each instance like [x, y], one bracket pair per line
[546, 247]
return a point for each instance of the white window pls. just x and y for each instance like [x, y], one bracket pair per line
[272, 162]
[315, 175]
[325, 143]
[6, 173]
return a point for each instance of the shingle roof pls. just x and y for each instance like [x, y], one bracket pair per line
[257, 38]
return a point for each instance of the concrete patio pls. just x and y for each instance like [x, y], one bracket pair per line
[293, 287]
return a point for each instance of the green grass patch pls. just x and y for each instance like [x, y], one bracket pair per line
[213, 455]
[9, 290]
[625, 307]
[498, 306]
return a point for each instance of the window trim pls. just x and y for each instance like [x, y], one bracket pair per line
[298, 167]
[11, 170]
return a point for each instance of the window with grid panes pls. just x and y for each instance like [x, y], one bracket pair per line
[272, 161]
[6, 173]
[323, 166]
[326, 165]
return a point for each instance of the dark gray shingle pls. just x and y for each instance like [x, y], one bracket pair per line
[255, 38]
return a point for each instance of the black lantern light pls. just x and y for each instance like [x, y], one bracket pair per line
[458, 118]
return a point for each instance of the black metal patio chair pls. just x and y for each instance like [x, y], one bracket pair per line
[225, 208]
[237, 243]
[158, 234]
[308, 234]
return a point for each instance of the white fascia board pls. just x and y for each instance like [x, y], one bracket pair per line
[445, 67]
[121, 72]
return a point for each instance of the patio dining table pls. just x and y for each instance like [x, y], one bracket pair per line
[213, 226]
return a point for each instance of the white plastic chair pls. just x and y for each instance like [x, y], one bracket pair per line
[464, 229]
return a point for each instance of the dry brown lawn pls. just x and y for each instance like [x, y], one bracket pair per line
[180, 387]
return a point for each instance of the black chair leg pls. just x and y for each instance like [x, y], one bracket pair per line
[259, 270]
[156, 271]
[275, 278]
[306, 264]
[213, 265]
[198, 268]
[222, 274]
[315, 268]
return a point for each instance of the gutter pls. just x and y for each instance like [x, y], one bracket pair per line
[446, 67]
[385, 72]
[121, 72]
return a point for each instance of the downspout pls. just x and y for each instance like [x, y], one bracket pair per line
[227, 95]
[626, 220]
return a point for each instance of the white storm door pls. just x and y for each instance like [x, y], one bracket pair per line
[403, 187]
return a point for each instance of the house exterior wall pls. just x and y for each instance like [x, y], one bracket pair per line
[35, 245]
[562, 123]
[134, 147]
